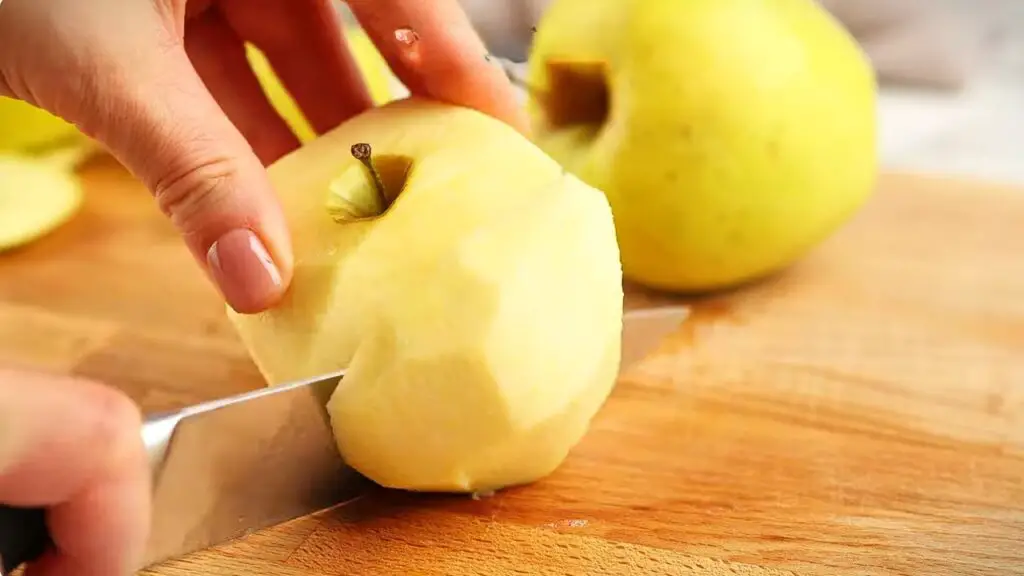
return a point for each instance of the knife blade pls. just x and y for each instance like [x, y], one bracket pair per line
[228, 467]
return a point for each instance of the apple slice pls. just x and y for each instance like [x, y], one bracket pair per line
[35, 198]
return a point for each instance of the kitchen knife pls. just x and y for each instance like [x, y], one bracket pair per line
[228, 467]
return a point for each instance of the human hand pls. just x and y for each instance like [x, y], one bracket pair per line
[74, 447]
[165, 86]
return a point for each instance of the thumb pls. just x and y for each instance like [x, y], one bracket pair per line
[168, 130]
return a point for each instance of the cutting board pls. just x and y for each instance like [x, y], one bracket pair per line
[858, 414]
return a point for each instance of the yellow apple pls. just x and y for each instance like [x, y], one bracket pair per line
[374, 68]
[24, 127]
[474, 295]
[376, 72]
[730, 136]
[36, 197]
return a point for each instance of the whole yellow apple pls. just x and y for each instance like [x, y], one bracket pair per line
[372, 65]
[36, 197]
[470, 286]
[730, 136]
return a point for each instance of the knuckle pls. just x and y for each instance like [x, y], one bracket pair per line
[115, 423]
[184, 194]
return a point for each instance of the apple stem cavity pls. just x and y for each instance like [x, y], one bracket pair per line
[351, 199]
[578, 93]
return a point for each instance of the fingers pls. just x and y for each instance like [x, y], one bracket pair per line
[219, 57]
[75, 447]
[161, 122]
[443, 59]
[129, 84]
[304, 43]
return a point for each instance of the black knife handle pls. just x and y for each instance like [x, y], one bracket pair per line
[23, 536]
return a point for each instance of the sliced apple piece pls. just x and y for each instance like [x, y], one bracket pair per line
[35, 198]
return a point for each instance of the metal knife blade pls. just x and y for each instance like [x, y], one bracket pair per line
[228, 467]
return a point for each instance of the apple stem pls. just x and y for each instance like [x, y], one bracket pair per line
[364, 153]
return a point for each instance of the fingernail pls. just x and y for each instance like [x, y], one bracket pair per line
[243, 269]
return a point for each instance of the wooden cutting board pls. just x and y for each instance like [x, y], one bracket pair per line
[860, 414]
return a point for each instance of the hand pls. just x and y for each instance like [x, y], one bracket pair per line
[74, 447]
[165, 86]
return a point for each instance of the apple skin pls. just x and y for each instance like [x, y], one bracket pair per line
[25, 126]
[738, 134]
[372, 65]
[479, 316]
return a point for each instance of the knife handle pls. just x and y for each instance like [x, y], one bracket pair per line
[23, 536]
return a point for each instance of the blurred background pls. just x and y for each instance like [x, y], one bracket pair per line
[951, 72]
[951, 78]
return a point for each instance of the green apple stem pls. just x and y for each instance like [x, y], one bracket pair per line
[364, 153]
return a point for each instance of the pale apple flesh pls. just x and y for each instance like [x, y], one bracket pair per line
[36, 198]
[730, 136]
[479, 315]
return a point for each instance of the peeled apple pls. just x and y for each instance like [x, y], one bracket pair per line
[475, 298]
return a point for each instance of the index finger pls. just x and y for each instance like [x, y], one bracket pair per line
[434, 50]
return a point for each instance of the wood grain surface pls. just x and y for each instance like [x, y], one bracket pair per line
[859, 414]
